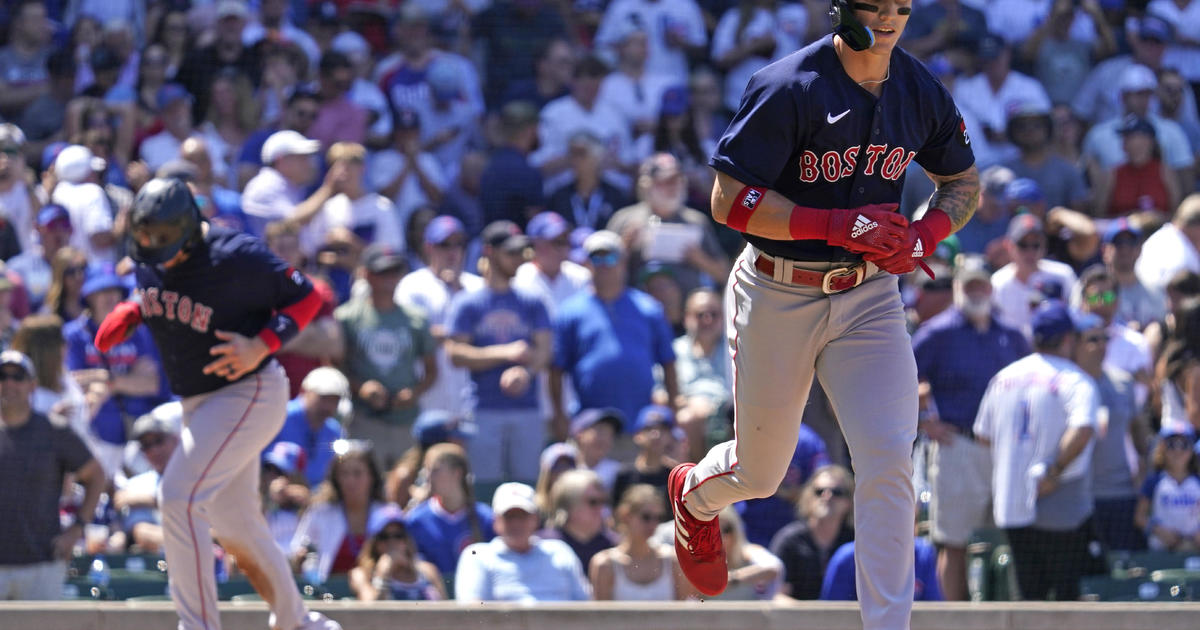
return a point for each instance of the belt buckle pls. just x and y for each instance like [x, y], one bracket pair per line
[833, 276]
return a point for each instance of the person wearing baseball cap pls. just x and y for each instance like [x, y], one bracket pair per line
[36, 455]
[156, 433]
[549, 271]
[390, 567]
[52, 224]
[1014, 285]
[279, 190]
[594, 432]
[516, 565]
[312, 420]
[435, 426]
[385, 341]
[1120, 252]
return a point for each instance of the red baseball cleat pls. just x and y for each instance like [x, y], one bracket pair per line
[697, 543]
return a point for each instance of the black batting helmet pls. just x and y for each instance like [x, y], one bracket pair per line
[164, 220]
[846, 25]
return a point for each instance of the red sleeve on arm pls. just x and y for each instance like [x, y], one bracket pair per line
[303, 311]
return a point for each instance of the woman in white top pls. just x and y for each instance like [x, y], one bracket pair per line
[638, 568]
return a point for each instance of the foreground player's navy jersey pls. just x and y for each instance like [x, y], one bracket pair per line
[230, 282]
[806, 130]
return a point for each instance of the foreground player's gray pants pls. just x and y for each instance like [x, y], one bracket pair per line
[856, 343]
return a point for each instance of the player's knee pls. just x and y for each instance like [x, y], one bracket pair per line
[761, 484]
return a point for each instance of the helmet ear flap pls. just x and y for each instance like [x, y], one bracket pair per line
[846, 25]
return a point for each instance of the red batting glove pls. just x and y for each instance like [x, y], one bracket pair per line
[118, 326]
[921, 240]
[872, 229]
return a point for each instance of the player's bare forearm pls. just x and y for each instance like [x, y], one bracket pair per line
[957, 195]
[771, 218]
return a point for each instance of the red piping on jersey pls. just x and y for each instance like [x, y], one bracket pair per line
[733, 359]
[302, 312]
[192, 496]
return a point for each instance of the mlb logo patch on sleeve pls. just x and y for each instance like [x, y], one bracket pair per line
[751, 199]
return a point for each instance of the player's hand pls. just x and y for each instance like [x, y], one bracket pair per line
[919, 242]
[515, 381]
[118, 325]
[404, 398]
[64, 543]
[872, 229]
[374, 394]
[237, 357]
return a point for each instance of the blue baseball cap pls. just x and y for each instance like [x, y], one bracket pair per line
[1121, 226]
[1155, 28]
[443, 227]
[675, 101]
[1171, 429]
[1025, 190]
[288, 457]
[434, 426]
[383, 516]
[546, 226]
[1053, 319]
[578, 236]
[102, 281]
[52, 213]
[50, 153]
[1023, 225]
[652, 416]
[170, 93]
[589, 418]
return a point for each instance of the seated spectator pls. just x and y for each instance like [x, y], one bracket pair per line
[662, 189]
[632, 91]
[754, 572]
[594, 431]
[35, 455]
[581, 110]
[703, 367]
[34, 265]
[433, 426]
[638, 568]
[677, 133]
[75, 186]
[1013, 284]
[280, 189]
[175, 110]
[233, 113]
[1137, 305]
[610, 365]
[298, 115]
[652, 465]
[64, 295]
[389, 566]
[516, 565]
[1073, 238]
[339, 118]
[824, 525]
[372, 217]
[1167, 507]
[557, 459]
[219, 204]
[130, 371]
[157, 436]
[659, 281]
[448, 519]
[984, 233]
[364, 92]
[515, 188]
[587, 199]
[8, 319]
[404, 172]
[335, 524]
[56, 395]
[1143, 182]
[451, 121]
[552, 70]
[18, 197]
[283, 489]
[1127, 350]
[389, 357]
[312, 421]
[1029, 129]
[23, 61]
[549, 271]
[576, 513]
[840, 584]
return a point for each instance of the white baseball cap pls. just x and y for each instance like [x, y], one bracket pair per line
[1138, 78]
[326, 381]
[232, 8]
[352, 45]
[285, 143]
[513, 496]
[75, 163]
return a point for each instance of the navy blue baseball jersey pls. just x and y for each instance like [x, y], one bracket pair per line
[230, 282]
[806, 130]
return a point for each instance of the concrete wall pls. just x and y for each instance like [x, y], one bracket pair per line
[595, 616]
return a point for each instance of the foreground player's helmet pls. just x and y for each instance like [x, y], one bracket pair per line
[847, 26]
[164, 220]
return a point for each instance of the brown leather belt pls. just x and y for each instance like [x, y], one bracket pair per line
[831, 281]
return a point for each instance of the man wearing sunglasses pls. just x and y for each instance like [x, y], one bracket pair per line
[1015, 285]
[1128, 350]
[1039, 416]
[157, 435]
[34, 457]
[1121, 248]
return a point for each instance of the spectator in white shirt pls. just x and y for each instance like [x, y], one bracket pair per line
[34, 264]
[743, 41]
[987, 97]
[1173, 247]
[273, 24]
[277, 192]
[77, 173]
[631, 90]
[1014, 285]
[549, 272]
[1184, 51]
[18, 203]
[404, 173]
[371, 216]
[1127, 348]
[175, 108]
[581, 110]
[676, 28]
[452, 121]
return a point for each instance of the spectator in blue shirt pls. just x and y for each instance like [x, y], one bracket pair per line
[502, 335]
[449, 519]
[839, 577]
[609, 340]
[312, 421]
[130, 370]
[958, 352]
[514, 188]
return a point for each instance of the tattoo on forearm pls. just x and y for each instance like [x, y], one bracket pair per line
[957, 196]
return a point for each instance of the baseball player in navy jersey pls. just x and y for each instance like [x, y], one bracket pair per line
[810, 171]
[218, 304]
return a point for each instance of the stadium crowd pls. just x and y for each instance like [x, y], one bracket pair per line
[504, 207]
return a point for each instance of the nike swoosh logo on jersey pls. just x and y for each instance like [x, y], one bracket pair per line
[862, 225]
[830, 118]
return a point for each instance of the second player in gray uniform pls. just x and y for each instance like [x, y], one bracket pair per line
[815, 293]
